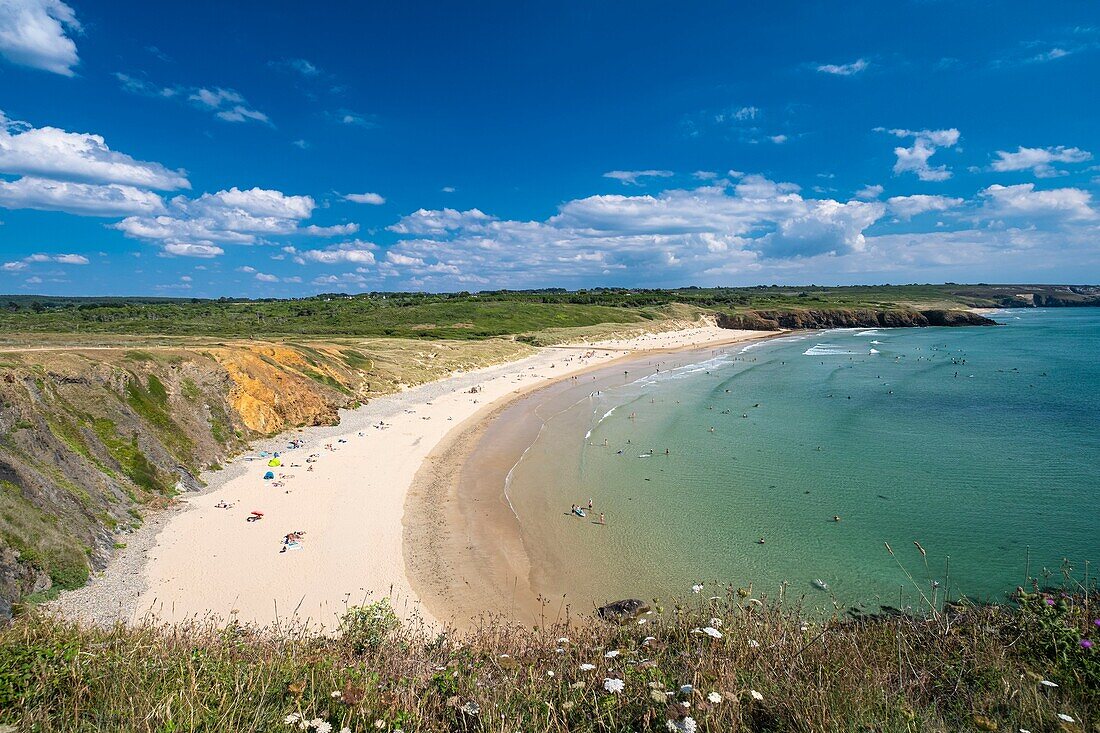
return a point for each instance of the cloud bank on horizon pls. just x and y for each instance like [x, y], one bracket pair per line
[128, 165]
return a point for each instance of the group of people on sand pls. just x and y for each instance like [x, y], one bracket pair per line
[578, 511]
[292, 541]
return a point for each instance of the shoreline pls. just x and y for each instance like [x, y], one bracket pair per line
[200, 561]
[466, 553]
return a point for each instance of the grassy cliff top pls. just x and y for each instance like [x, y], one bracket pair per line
[721, 662]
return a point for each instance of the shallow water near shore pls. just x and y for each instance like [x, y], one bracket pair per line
[976, 443]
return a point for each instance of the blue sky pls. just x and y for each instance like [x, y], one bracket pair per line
[250, 149]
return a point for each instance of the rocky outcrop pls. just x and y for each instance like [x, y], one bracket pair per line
[620, 611]
[773, 320]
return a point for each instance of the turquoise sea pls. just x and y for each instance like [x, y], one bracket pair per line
[976, 443]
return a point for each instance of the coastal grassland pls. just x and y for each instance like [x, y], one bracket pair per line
[722, 661]
[465, 315]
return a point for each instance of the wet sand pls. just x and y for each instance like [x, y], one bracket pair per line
[466, 553]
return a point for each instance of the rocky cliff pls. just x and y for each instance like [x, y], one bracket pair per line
[93, 438]
[771, 320]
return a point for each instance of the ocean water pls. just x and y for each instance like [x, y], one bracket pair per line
[980, 444]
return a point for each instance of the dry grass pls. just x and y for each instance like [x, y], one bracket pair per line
[979, 668]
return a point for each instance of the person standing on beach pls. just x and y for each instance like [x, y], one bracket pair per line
[602, 519]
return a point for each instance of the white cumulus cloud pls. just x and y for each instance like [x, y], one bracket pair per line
[1039, 160]
[82, 199]
[49, 152]
[35, 33]
[1069, 204]
[914, 159]
[906, 207]
[373, 199]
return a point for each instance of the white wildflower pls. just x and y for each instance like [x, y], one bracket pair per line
[563, 640]
[471, 708]
[641, 621]
[292, 718]
[714, 697]
[756, 695]
[1066, 718]
[611, 654]
[304, 724]
[315, 723]
[687, 725]
[559, 650]
[613, 685]
[754, 643]
[1048, 683]
[335, 694]
[586, 667]
[345, 729]
[716, 623]
[712, 632]
[323, 727]
[697, 588]
[549, 673]
[379, 724]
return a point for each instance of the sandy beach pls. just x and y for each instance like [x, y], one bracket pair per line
[345, 489]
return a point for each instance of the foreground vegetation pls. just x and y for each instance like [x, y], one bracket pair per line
[726, 662]
[466, 315]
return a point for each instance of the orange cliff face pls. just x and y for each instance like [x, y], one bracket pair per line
[271, 393]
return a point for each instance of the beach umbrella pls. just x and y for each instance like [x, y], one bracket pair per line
[268, 476]
[274, 462]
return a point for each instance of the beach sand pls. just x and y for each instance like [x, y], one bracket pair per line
[209, 561]
[466, 552]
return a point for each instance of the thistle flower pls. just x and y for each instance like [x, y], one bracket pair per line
[1086, 643]
[613, 685]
